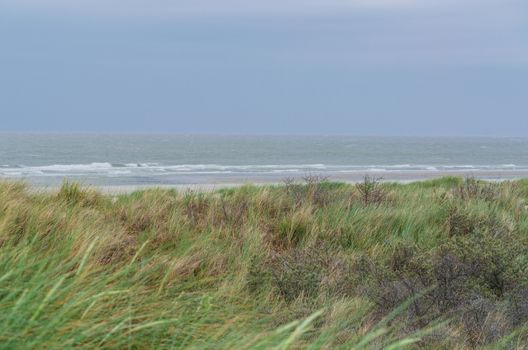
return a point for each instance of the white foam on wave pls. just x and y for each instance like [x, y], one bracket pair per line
[156, 169]
[56, 169]
[73, 167]
[459, 167]
[377, 170]
[119, 172]
[400, 166]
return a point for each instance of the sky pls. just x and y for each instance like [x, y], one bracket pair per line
[361, 67]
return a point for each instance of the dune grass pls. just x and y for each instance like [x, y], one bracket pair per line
[440, 264]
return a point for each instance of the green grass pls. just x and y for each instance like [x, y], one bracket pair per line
[441, 264]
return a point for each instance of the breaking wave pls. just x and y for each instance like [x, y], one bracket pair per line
[153, 169]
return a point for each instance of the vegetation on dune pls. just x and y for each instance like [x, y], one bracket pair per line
[440, 264]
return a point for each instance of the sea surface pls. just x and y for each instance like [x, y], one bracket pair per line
[113, 160]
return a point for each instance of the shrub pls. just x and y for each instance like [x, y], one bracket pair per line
[296, 273]
[312, 273]
[476, 280]
[472, 188]
[315, 189]
[370, 191]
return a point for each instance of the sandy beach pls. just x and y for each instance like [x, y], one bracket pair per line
[215, 183]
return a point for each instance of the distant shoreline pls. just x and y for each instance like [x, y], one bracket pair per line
[260, 180]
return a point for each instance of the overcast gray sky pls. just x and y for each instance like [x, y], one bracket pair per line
[365, 67]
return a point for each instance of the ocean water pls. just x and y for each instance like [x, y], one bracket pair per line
[49, 159]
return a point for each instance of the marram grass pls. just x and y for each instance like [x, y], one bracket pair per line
[440, 264]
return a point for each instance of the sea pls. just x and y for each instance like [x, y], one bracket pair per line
[148, 159]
